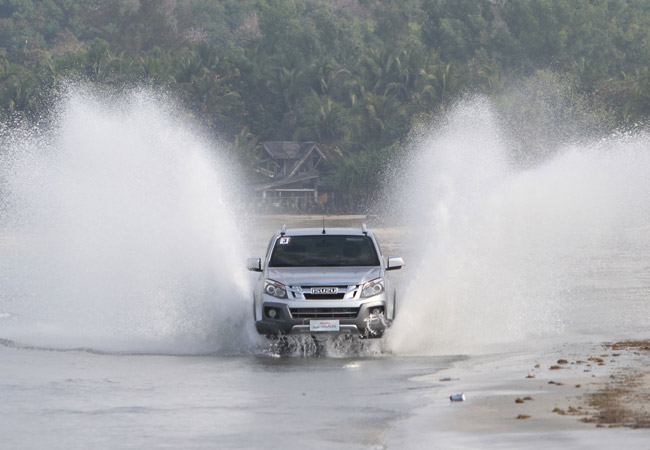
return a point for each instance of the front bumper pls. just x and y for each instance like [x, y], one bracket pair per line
[294, 319]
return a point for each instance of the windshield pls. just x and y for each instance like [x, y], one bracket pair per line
[323, 250]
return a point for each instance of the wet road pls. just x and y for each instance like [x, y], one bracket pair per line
[79, 400]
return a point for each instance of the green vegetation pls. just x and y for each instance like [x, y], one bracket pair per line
[356, 74]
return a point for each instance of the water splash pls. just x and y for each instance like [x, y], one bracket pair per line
[343, 346]
[119, 232]
[506, 253]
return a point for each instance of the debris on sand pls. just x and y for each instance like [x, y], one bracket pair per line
[623, 400]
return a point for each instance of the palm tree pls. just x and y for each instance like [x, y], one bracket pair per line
[17, 89]
[288, 83]
[377, 112]
[327, 77]
[245, 145]
[332, 125]
[637, 105]
[155, 65]
[189, 67]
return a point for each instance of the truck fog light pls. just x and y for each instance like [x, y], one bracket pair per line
[376, 311]
[272, 313]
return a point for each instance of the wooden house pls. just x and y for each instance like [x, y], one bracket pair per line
[289, 174]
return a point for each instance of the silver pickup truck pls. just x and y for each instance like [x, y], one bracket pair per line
[322, 281]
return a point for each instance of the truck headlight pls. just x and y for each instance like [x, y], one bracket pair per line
[374, 287]
[275, 289]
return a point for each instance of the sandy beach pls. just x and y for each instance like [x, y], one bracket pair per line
[580, 394]
[605, 387]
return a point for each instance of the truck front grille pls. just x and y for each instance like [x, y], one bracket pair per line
[343, 292]
[338, 296]
[324, 313]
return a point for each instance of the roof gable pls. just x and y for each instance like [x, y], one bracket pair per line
[282, 149]
[290, 149]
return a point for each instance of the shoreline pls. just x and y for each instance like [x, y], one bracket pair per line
[583, 394]
[605, 386]
[608, 386]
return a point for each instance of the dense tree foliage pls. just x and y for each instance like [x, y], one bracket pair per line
[356, 74]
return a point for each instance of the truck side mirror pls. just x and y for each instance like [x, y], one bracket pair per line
[254, 264]
[395, 263]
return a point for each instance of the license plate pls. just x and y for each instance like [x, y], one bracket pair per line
[324, 290]
[323, 325]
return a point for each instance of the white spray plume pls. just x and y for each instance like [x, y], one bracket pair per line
[127, 239]
[503, 253]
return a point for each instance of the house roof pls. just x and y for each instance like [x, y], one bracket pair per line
[289, 149]
[286, 181]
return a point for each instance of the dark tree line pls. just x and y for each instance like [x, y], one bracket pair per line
[356, 74]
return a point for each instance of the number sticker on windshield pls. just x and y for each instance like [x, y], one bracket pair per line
[285, 240]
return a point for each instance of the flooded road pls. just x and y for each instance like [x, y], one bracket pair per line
[79, 400]
[64, 386]
[69, 389]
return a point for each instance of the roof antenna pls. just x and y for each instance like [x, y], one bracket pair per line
[323, 224]
[283, 231]
[364, 230]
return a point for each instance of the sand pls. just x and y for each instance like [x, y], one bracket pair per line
[579, 395]
[605, 387]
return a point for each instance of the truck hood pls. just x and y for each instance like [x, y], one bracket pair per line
[323, 276]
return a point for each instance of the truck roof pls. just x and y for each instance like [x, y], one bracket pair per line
[328, 230]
